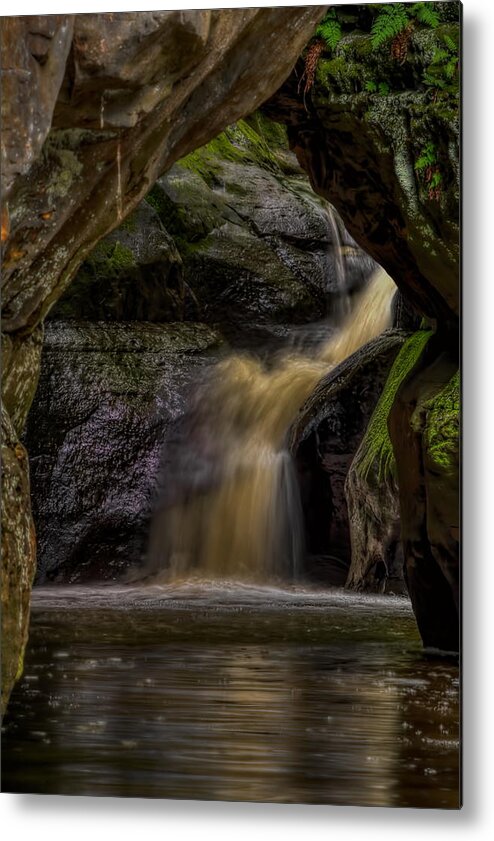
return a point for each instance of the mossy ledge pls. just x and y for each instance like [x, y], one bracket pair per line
[376, 448]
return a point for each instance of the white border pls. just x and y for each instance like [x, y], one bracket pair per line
[42, 817]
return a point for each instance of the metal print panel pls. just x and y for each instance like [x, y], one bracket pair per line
[230, 499]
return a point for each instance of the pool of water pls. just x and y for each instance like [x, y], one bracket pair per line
[230, 692]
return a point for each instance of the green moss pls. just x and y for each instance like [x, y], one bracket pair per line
[20, 666]
[248, 141]
[441, 435]
[109, 259]
[68, 169]
[376, 448]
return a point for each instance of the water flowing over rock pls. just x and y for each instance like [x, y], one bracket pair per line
[240, 516]
[379, 138]
[360, 149]
[94, 109]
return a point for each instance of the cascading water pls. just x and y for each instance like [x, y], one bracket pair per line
[243, 519]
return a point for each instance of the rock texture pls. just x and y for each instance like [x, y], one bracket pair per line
[94, 109]
[108, 398]
[360, 149]
[233, 234]
[424, 429]
[377, 132]
[135, 93]
[324, 441]
[135, 273]
[18, 555]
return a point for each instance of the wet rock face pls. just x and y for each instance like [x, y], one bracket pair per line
[117, 100]
[18, 555]
[108, 396]
[134, 274]
[324, 442]
[233, 234]
[361, 148]
[424, 429]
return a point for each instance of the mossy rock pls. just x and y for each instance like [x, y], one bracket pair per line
[134, 274]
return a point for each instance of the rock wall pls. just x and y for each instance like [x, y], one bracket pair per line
[376, 128]
[325, 440]
[249, 248]
[110, 395]
[232, 235]
[118, 99]
[94, 108]
[424, 428]
[360, 132]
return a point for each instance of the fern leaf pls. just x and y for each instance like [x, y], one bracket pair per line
[427, 158]
[426, 14]
[450, 68]
[451, 45]
[440, 56]
[392, 20]
[330, 30]
[371, 86]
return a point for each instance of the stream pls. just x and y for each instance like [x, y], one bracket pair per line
[229, 691]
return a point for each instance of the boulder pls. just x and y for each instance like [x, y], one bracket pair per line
[233, 234]
[324, 441]
[109, 394]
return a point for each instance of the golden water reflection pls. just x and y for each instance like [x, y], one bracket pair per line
[306, 705]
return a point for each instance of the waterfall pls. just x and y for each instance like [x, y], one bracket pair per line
[246, 522]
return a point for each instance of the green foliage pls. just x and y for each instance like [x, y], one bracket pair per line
[441, 434]
[427, 158]
[395, 23]
[426, 14]
[427, 165]
[391, 20]
[330, 30]
[381, 88]
[442, 72]
[376, 449]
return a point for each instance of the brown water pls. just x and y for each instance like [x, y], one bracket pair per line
[247, 522]
[234, 692]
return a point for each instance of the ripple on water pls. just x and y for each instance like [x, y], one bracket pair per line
[214, 690]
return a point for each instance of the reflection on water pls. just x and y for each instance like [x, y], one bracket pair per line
[228, 692]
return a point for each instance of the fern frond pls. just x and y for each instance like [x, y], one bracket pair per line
[392, 20]
[451, 45]
[371, 86]
[426, 14]
[427, 158]
[440, 56]
[330, 30]
[450, 68]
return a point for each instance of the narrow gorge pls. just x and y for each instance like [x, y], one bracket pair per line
[230, 400]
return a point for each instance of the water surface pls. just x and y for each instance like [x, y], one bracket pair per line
[224, 691]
